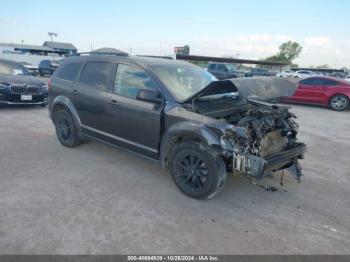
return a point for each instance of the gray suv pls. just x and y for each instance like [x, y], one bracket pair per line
[178, 114]
[223, 70]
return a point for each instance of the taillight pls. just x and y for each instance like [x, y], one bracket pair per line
[49, 84]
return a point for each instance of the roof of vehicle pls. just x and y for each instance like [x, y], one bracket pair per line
[109, 51]
[143, 61]
[220, 63]
[305, 71]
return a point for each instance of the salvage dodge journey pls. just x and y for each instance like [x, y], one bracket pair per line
[179, 114]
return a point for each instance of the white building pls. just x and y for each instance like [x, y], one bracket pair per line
[34, 54]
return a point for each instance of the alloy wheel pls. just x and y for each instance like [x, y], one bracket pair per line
[192, 173]
[339, 103]
[64, 129]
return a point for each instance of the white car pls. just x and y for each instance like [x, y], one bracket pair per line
[304, 74]
[347, 78]
[286, 73]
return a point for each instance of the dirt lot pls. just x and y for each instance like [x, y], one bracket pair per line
[98, 199]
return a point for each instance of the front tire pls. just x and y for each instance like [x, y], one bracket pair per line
[65, 129]
[339, 103]
[196, 171]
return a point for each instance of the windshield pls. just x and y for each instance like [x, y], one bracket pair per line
[12, 69]
[183, 80]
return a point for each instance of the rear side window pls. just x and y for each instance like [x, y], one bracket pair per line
[311, 81]
[69, 71]
[96, 74]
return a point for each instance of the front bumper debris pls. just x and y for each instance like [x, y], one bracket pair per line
[258, 167]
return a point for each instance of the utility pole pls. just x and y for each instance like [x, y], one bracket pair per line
[52, 34]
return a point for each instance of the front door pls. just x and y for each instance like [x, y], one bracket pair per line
[133, 123]
[309, 91]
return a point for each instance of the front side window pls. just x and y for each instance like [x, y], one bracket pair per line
[130, 79]
[212, 66]
[311, 81]
[69, 71]
[96, 74]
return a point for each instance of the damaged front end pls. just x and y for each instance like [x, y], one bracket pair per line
[262, 137]
[263, 141]
[259, 138]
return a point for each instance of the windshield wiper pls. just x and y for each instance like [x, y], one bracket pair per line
[219, 96]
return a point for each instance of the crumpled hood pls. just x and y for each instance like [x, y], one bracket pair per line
[264, 87]
[20, 79]
[261, 88]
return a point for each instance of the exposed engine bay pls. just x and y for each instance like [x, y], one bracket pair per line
[268, 131]
[260, 138]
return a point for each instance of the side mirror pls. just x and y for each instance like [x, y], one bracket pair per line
[149, 96]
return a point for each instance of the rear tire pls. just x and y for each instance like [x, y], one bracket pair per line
[66, 130]
[196, 171]
[339, 103]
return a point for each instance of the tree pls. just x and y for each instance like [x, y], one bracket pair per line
[288, 51]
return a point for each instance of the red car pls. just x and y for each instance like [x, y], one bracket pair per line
[326, 91]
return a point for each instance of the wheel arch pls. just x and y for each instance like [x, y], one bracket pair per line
[66, 103]
[337, 94]
[186, 131]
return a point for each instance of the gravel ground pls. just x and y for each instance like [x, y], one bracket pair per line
[95, 199]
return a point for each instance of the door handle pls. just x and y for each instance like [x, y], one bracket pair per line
[74, 91]
[113, 102]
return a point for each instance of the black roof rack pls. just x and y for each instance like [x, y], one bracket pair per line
[156, 56]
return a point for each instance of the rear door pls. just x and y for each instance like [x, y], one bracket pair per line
[90, 93]
[64, 80]
[133, 123]
[310, 90]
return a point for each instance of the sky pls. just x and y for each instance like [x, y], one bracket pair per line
[244, 29]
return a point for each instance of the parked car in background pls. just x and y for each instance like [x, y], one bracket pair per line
[223, 70]
[179, 114]
[285, 73]
[18, 87]
[33, 70]
[326, 91]
[304, 74]
[259, 72]
[347, 78]
[47, 67]
[338, 74]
